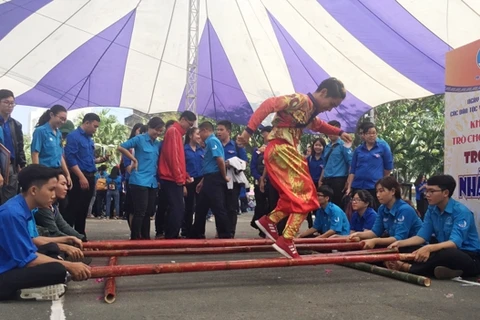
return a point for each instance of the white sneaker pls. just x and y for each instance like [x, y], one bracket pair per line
[50, 293]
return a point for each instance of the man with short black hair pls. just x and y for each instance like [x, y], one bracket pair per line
[457, 252]
[13, 141]
[173, 172]
[24, 272]
[231, 149]
[80, 158]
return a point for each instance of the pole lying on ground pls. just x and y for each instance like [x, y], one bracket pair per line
[403, 276]
[325, 247]
[196, 243]
[135, 270]
[110, 286]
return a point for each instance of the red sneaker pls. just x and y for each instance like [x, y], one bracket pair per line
[267, 227]
[286, 247]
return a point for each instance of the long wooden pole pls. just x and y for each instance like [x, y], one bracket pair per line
[110, 285]
[195, 243]
[322, 247]
[135, 270]
[403, 276]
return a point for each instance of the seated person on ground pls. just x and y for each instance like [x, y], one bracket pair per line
[396, 219]
[329, 219]
[25, 272]
[457, 252]
[50, 221]
[363, 216]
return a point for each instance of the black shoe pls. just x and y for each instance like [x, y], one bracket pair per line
[444, 273]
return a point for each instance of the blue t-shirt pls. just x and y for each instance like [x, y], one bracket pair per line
[364, 222]
[231, 149]
[332, 218]
[315, 167]
[8, 126]
[339, 160]
[194, 160]
[146, 153]
[80, 150]
[16, 245]
[418, 192]
[48, 144]
[456, 223]
[213, 150]
[400, 222]
[368, 165]
[114, 185]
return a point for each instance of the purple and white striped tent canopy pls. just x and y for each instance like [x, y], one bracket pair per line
[133, 53]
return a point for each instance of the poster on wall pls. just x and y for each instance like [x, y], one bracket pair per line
[462, 123]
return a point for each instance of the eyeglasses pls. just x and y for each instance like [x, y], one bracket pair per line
[357, 200]
[320, 195]
[430, 192]
[8, 103]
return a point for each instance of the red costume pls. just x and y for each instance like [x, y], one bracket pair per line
[286, 167]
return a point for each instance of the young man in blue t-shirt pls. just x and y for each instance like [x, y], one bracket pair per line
[329, 219]
[24, 272]
[212, 187]
[457, 252]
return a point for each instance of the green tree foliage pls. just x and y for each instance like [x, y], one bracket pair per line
[414, 130]
[27, 142]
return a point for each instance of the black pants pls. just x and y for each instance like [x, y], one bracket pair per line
[143, 204]
[32, 277]
[162, 211]
[176, 208]
[422, 206]
[452, 258]
[212, 196]
[78, 202]
[261, 205]
[337, 184]
[100, 201]
[231, 200]
[190, 201]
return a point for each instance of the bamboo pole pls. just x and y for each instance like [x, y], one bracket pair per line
[196, 243]
[403, 276]
[325, 247]
[135, 270]
[110, 285]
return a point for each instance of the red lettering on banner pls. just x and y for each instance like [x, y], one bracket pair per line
[472, 156]
[475, 124]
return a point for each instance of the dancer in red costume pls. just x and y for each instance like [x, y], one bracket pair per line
[286, 167]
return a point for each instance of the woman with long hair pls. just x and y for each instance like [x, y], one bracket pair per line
[46, 147]
[143, 176]
[420, 185]
[194, 154]
[114, 185]
[396, 219]
[363, 216]
[125, 169]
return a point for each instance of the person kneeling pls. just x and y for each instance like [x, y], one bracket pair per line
[329, 219]
[24, 272]
[457, 252]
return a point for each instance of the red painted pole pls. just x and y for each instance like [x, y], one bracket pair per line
[136, 270]
[110, 286]
[219, 250]
[195, 243]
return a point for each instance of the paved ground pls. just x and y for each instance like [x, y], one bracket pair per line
[316, 292]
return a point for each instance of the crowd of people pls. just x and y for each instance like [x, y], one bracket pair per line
[197, 171]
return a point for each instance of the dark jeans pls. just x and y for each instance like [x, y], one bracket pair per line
[176, 208]
[32, 277]
[231, 198]
[162, 211]
[100, 201]
[212, 196]
[422, 206]
[143, 205]
[452, 258]
[337, 184]
[261, 205]
[190, 201]
[78, 202]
